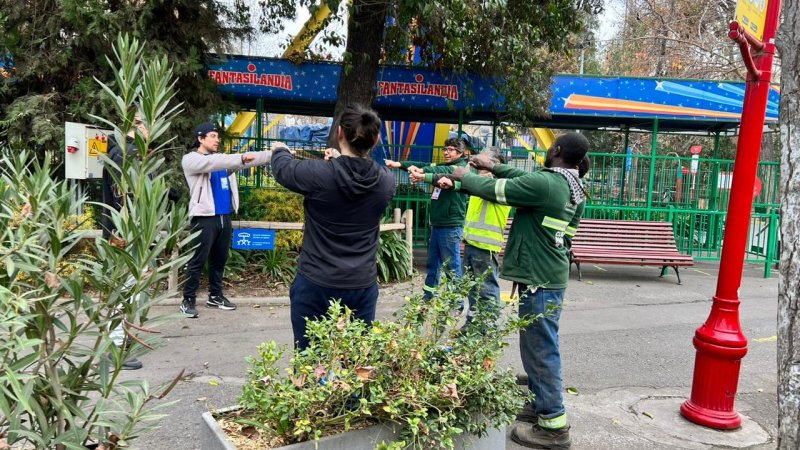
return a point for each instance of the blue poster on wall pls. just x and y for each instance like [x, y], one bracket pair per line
[253, 239]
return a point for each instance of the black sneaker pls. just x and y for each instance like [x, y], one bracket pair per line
[189, 307]
[219, 301]
[131, 364]
[534, 436]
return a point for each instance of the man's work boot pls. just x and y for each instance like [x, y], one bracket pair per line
[526, 414]
[534, 436]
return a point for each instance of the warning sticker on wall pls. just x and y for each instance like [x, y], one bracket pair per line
[96, 146]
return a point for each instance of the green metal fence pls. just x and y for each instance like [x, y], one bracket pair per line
[692, 193]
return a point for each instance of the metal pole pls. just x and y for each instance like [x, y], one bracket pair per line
[259, 138]
[624, 167]
[720, 343]
[712, 206]
[651, 180]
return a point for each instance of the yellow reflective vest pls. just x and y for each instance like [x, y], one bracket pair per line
[485, 223]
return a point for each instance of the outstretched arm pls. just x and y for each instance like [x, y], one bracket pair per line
[524, 191]
[297, 176]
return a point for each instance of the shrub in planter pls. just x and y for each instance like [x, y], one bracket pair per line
[420, 372]
[59, 385]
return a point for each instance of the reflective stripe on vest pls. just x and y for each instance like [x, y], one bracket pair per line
[556, 224]
[571, 231]
[479, 232]
[555, 423]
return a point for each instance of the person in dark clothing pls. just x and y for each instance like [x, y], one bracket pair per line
[112, 195]
[345, 198]
[113, 198]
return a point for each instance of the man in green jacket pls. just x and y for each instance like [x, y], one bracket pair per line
[447, 212]
[549, 204]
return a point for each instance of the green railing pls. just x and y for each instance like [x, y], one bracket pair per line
[692, 193]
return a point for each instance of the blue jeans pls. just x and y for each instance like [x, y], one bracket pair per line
[310, 301]
[539, 350]
[486, 297]
[445, 246]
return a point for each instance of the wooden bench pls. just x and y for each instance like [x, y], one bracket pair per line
[627, 242]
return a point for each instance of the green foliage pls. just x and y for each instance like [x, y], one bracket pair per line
[518, 41]
[275, 205]
[279, 265]
[419, 372]
[394, 261]
[58, 47]
[59, 385]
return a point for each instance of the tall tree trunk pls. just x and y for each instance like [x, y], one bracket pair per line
[362, 55]
[789, 287]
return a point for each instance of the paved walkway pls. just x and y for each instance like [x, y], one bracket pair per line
[626, 343]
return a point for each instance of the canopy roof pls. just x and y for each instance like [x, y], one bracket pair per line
[424, 95]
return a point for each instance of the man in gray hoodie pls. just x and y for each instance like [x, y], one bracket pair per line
[213, 196]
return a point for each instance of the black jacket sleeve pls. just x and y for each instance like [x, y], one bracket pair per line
[302, 177]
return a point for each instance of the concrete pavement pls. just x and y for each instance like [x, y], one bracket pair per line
[627, 350]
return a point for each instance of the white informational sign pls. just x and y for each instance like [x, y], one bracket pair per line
[695, 164]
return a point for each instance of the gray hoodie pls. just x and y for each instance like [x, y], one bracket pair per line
[197, 168]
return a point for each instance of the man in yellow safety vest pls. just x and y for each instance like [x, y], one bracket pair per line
[483, 240]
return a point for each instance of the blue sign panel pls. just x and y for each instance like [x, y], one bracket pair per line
[415, 92]
[316, 82]
[253, 239]
[719, 101]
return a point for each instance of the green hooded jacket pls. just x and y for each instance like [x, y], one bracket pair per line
[450, 209]
[537, 253]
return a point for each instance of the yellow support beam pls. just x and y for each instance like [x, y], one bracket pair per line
[264, 131]
[241, 123]
[315, 23]
[526, 145]
[544, 136]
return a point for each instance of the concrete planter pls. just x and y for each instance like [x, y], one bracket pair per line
[213, 438]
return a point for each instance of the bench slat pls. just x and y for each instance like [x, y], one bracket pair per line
[626, 242]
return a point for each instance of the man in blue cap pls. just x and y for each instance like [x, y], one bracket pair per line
[213, 195]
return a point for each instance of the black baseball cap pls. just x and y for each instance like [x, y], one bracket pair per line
[205, 128]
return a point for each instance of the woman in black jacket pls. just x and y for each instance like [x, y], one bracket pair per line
[344, 200]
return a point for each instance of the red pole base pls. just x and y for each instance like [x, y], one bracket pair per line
[718, 420]
[716, 379]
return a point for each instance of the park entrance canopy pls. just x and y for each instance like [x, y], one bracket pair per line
[419, 94]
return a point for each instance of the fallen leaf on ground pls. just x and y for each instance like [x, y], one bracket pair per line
[647, 414]
[213, 382]
[572, 390]
[202, 399]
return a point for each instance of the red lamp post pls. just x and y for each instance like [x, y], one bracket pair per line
[720, 343]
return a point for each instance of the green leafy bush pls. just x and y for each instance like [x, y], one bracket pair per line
[275, 205]
[394, 261]
[59, 385]
[419, 371]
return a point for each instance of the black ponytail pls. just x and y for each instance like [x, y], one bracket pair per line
[361, 127]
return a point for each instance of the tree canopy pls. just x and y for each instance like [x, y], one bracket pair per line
[517, 41]
[59, 47]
